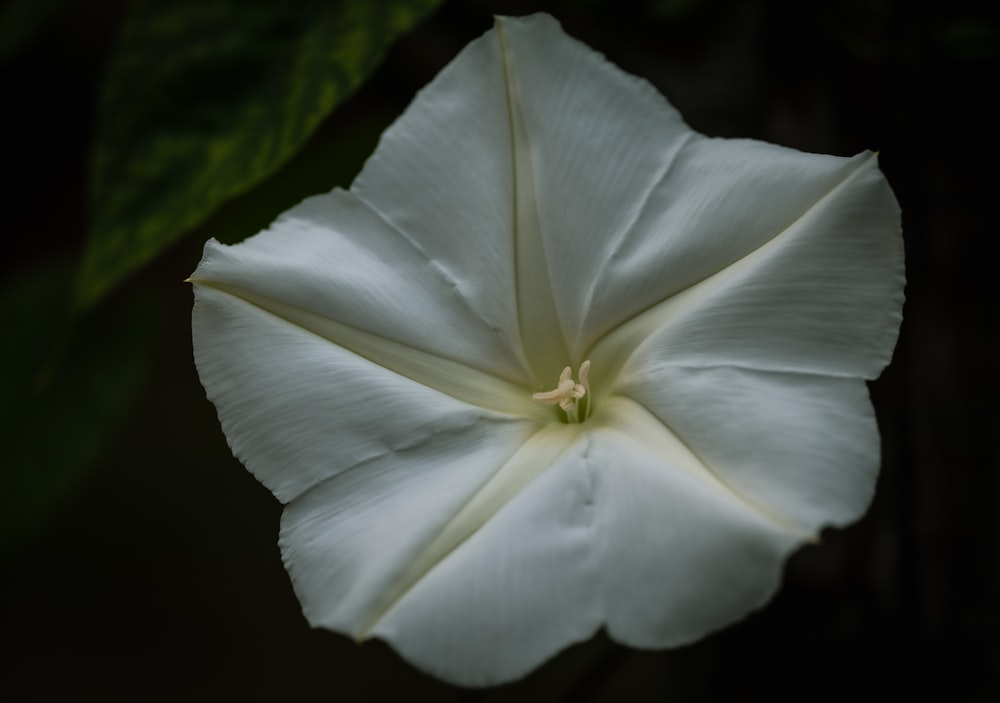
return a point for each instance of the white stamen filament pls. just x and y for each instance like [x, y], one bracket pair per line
[568, 392]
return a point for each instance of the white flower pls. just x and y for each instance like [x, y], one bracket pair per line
[405, 364]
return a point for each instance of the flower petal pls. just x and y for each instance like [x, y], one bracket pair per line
[720, 200]
[598, 140]
[333, 257]
[801, 448]
[488, 167]
[679, 554]
[453, 176]
[521, 588]
[822, 296]
[297, 409]
[351, 542]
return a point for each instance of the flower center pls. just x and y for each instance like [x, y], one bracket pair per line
[568, 394]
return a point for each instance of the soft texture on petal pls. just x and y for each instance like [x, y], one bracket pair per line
[823, 296]
[297, 409]
[679, 555]
[348, 542]
[520, 589]
[667, 207]
[597, 141]
[315, 258]
[443, 178]
[722, 200]
[494, 163]
[803, 448]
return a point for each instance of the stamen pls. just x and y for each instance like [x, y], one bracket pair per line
[568, 392]
[584, 375]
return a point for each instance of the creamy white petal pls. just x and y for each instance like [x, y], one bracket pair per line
[333, 257]
[521, 588]
[452, 179]
[679, 554]
[298, 409]
[801, 447]
[598, 141]
[718, 201]
[564, 109]
[351, 542]
[824, 296]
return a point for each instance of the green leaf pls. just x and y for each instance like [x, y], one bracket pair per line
[204, 99]
[67, 388]
[333, 158]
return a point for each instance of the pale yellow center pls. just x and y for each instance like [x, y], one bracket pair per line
[567, 394]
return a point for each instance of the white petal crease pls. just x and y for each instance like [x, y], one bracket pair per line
[313, 258]
[822, 296]
[331, 533]
[515, 592]
[716, 559]
[767, 436]
[443, 375]
[297, 409]
[630, 418]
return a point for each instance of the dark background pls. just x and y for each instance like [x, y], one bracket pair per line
[156, 574]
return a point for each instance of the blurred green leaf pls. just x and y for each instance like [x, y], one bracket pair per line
[205, 99]
[67, 386]
[332, 159]
[22, 20]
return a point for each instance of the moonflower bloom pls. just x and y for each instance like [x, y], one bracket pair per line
[555, 362]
